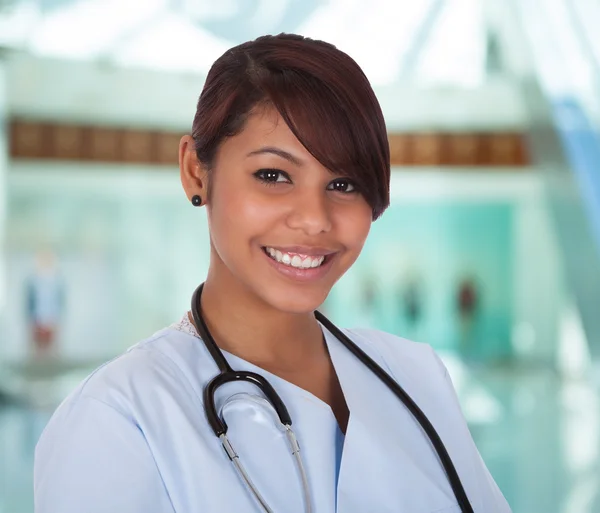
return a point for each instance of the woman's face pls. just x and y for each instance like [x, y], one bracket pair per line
[281, 223]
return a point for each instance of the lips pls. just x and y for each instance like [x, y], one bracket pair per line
[297, 260]
[299, 272]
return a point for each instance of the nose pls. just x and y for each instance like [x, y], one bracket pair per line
[310, 213]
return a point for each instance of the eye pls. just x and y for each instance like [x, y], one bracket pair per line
[342, 185]
[272, 176]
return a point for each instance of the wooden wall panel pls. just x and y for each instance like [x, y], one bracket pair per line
[67, 141]
[40, 140]
[167, 147]
[464, 149]
[104, 145]
[30, 140]
[138, 147]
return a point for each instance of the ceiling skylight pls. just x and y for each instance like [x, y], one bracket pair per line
[431, 40]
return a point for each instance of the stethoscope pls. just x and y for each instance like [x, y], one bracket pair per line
[227, 375]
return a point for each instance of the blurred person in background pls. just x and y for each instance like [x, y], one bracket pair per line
[412, 302]
[467, 305]
[289, 155]
[45, 303]
[369, 292]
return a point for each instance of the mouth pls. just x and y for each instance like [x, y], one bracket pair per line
[300, 266]
[297, 260]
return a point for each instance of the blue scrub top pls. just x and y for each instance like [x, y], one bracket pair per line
[133, 437]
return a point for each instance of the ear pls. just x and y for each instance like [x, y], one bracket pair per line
[193, 175]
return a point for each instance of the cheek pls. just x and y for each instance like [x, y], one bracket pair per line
[236, 217]
[222, 218]
[353, 230]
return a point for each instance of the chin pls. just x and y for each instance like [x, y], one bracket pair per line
[297, 302]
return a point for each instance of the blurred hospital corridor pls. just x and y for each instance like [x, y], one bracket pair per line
[489, 250]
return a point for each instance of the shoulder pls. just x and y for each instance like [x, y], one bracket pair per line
[152, 366]
[421, 373]
[396, 351]
[414, 365]
[97, 440]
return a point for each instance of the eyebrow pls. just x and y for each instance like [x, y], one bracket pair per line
[278, 152]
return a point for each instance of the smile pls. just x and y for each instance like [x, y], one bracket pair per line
[295, 260]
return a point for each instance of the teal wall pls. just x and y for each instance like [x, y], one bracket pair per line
[435, 245]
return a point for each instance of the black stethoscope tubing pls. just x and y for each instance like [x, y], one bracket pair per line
[227, 375]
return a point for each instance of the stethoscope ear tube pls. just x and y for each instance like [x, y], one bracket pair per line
[205, 335]
[228, 375]
[453, 478]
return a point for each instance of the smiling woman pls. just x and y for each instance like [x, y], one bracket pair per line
[289, 155]
[266, 193]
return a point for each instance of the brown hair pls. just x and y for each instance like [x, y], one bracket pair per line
[320, 92]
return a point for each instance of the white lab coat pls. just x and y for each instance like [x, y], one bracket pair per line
[133, 438]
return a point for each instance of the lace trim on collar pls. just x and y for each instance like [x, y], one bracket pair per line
[184, 325]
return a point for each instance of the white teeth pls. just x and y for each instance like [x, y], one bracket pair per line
[295, 260]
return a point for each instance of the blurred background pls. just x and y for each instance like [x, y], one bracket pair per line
[490, 250]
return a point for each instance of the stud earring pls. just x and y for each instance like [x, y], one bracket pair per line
[196, 200]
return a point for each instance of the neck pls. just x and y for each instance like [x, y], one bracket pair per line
[243, 324]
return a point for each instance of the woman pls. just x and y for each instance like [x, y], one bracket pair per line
[289, 156]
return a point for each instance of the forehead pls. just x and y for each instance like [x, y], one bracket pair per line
[265, 127]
